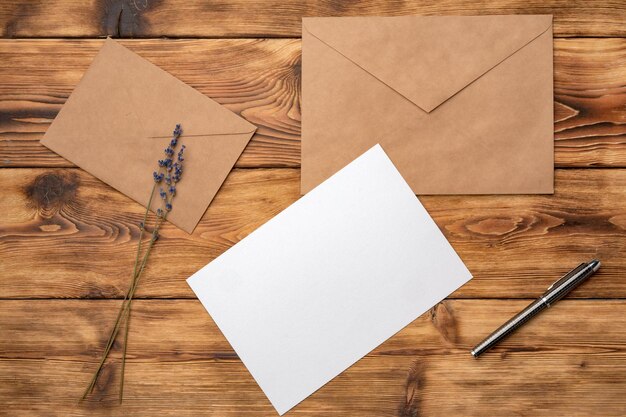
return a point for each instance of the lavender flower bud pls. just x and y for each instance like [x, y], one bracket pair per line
[180, 154]
[168, 207]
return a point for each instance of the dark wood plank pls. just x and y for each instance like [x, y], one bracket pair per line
[65, 234]
[271, 18]
[568, 361]
[590, 121]
[260, 80]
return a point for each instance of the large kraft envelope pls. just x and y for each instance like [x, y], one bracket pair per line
[119, 119]
[461, 104]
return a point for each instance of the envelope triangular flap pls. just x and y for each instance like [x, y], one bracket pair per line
[428, 59]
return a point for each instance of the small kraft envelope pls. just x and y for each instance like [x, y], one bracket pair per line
[119, 119]
[461, 104]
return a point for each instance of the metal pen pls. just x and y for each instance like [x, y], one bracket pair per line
[554, 293]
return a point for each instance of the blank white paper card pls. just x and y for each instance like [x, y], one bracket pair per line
[330, 278]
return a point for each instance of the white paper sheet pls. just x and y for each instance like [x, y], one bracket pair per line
[329, 279]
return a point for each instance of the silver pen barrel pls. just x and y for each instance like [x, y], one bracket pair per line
[510, 326]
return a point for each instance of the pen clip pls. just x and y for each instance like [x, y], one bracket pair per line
[568, 275]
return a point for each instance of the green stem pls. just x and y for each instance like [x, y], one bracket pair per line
[143, 227]
[129, 304]
[126, 297]
[116, 328]
[124, 353]
[134, 283]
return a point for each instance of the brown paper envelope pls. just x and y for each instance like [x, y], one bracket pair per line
[119, 119]
[462, 105]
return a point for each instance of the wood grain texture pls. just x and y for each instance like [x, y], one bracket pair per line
[260, 80]
[61, 229]
[568, 361]
[271, 18]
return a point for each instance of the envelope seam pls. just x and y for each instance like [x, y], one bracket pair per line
[209, 134]
[363, 69]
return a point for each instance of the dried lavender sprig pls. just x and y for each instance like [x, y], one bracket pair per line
[161, 217]
[126, 303]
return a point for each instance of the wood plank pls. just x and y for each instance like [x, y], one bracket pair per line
[271, 18]
[65, 234]
[260, 80]
[568, 361]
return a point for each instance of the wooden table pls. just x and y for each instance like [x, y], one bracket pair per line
[67, 240]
